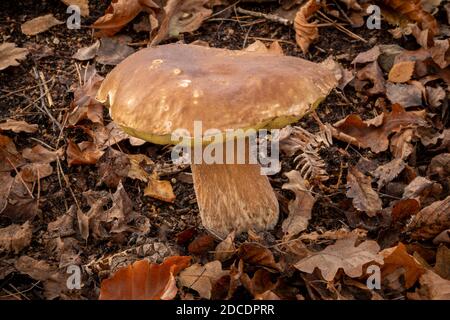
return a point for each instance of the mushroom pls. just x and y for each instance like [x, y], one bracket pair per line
[158, 90]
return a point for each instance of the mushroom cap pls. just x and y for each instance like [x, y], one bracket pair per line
[158, 90]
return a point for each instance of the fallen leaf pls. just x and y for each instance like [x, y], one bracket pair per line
[32, 172]
[201, 244]
[87, 53]
[10, 158]
[442, 266]
[82, 4]
[343, 254]
[388, 172]
[401, 71]
[439, 165]
[373, 73]
[144, 280]
[113, 50]
[180, 16]
[443, 237]
[202, 278]
[10, 55]
[301, 207]
[117, 15]
[63, 226]
[20, 205]
[40, 24]
[160, 189]
[39, 154]
[306, 32]
[85, 152]
[113, 166]
[397, 257]
[404, 209]
[15, 238]
[256, 254]
[18, 126]
[432, 287]
[6, 182]
[412, 10]
[431, 220]
[435, 96]
[367, 56]
[54, 282]
[259, 284]
[418, 187]
[359, 188]
[406, 95]
[401, 146]
[363, 134]
[225, 249]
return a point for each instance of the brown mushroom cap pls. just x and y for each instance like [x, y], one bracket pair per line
[158, 90]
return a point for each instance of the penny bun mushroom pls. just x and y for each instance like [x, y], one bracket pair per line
[158, 90]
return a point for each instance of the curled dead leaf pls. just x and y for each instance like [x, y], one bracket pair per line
[144, 280]
[359, 188]
[306, 32]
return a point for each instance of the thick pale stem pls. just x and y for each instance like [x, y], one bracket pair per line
[234, 197]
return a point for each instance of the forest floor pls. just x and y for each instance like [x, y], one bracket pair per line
[45, 192]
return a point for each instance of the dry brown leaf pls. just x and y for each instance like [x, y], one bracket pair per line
[117, 15]
[406, 95]
[359, 188]
[368, 56]
[202, 278]
[431, 220]
[85, 152]
[180, 16]
[32, 172]
[306, 32]
[442, 266]
[39, 154]
[373, 73]
[301, 207]
[10, 55]
[418, 187]
[259, 285]
[20, 205]
[364, 135]
[343, 254]
[160, 189]
[439, 165]
[402, 71]
[432, 287]
[439, 53]
[225, 249]
[144, 281]
[388, 172]
[397, 257]
[404, 209]
[443, 237]
[413, 11]
[84, 105]
[9, 157]
[401, 146]
[39, 24]
[113, 166]
[6, 182]
[435, 96]
[82, 4]
[201, 244]
[113, 50]
[87, 53]
[15, 238]
[54, 282]
[257, 254]
[18, 126]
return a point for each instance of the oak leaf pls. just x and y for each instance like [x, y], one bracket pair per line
[343, 254]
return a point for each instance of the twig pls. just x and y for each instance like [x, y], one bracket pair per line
[341, 28]
[267, 16]
[44, 83]
[44, 107]
[272, 40]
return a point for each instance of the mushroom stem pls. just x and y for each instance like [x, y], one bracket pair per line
[234, 197]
